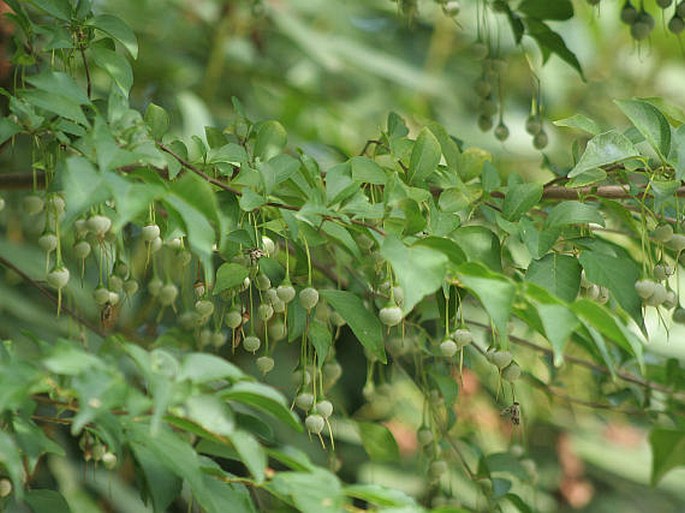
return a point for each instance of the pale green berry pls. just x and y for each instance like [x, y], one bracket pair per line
[277, 330]
[592, 292]
[98, 451]
[150, 232]
[314, 423]
[168, 294]
[218, 339]
[424, 436]
[337, 320]
[81, 227]
[671, 300]
[175, 243]
[540, 140]
[187, 320]
[262, 282]
[205, 337]
[33, 204]
[677, 242]
[271, 295]
[246, 284]
[204, 307]
[278, 306]
[286, 292]
[99, 225]
[265, 364]
[676, 25]
[233, 319]
[531, 469]
[82, 249]
[155, 286]
[113, 298]
[500, 358]
[663, 233]
[332, 371]
[265, 312]
[309, 297]
[462, 337]
[390, 315]
[512, 372]
[57, 203]
[304, 401]
[479, 50]
[451, 8]
[658, 296]
[448, 348]
[130, 287]
[115, 283]
[533, 124]
[301, 377]
[251, 343]
[156, 244]
[5, 488]
[268, 245]
[48, 242]
[662, 271]
[644, 288]
[2, 204]
[603, 295]
[58, 277]
[109, 460]
[437, 468]
[501, 132]
[679, 315]
[324, 408]
[101, 295]
[182, 258]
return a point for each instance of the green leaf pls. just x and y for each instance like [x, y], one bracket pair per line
[618, 274]
[8, 129]
[115, 65]
[230, 153]
[230, 275]
[55, 103]
[425, 157]
[251, 453]
[559, 324]
[162, 484]
[202, 367]
[446, 246]
[118, 30]
[420, 270]
[604, 149]
[250, 200]
[678, 158]
[378, 442]
[10, 460]
[544, 10]
[651, 123]
[551, 42]
[68, 360]
[668, 451]
[210, 413]
[317, 491]
[321, 338]
[223, 497]
[270, 140]
[580, 122]
[264, 398]
[573, 212]
[559, 274]
[520, 199]
[365, 170]
[480, 245]
[158, 120]
[83, 185]
[471, 163]
[363, 323]
[44, 500]
[379, 495]
[495, 292]
[60, 9]
[589, 177]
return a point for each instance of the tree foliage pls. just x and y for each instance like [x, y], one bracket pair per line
[240, 324]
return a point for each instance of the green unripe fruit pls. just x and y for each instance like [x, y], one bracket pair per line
[130, 287]
[218, 339]
[664, 3]
[309, 297]
[5, 488]
[677, 242]
[424, 436]
[2, 204]
[82, 249]
[501, 132]
[462, 337]
[101, 296]
[286, 292]
[156, 244]
[482, 88]
[204, 307]
[324, 408]
[314, 423]
[533, 125]
[302, 377]
[262, 282]
[500, 359]
[115, 283]
[485, 122]
[451, 8]
[390, 315]
[671, 300]
[304, 401]
[540, 140]
[99, 225]
[663, 233]
[181, 258]
[662, 271]
[205, 337]
[233, 319]
[109, 460]
[277, 330]
[98, 451]
[479, 50]
[644, 288]
[268, 245]
[680, 9]
[676, 25]
[628, 13]
[48, 242]
[265, 312]
[168, 294]
[252, 343]
[265, 364]
[448, 348]
[488, 108]
[58, 277]
[512, 372]
[150, 232]
[658, 296]
[154, 286]
[603, 295]
[331, 372]
[175, 243]
[437, 469]
[33, 204]
[679, 315]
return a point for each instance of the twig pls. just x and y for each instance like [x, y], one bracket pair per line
[87, 70]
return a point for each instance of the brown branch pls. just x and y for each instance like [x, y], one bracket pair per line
[21, 181]
[48, 293]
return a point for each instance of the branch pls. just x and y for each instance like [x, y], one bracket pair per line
[21, 181]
